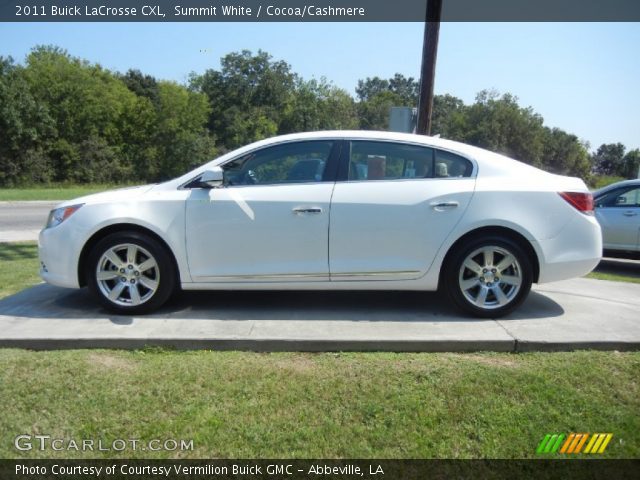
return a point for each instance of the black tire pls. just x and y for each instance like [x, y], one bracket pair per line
[493, 304]
[153, 284]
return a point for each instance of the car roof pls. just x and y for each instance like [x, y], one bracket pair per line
[470, 151]
[378, 135]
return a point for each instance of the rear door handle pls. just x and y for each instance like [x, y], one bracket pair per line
[630, 214]
[438, 205]
[303, 210]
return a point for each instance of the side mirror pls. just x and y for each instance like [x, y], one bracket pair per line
[211, 178]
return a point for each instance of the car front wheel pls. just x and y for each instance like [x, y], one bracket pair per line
[130, 273]
[489, 277]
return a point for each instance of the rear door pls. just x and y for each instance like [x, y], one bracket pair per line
[393, 209]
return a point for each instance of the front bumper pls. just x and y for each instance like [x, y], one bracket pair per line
[59, 256]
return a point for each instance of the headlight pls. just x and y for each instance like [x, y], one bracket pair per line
[59, 215]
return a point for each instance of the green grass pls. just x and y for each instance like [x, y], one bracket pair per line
[285, 405]
[303, 405]
[18, 267]
[604, 180]
[617, 270]
[54, 192]
[613, 277]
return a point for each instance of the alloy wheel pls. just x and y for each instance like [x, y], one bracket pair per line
[490, 277]
[127, 274]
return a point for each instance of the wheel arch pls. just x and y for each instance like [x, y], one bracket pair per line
[500, 231]
[115, 228]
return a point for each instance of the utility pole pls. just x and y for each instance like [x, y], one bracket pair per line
[428, 71]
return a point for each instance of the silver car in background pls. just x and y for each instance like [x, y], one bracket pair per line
[617, 208]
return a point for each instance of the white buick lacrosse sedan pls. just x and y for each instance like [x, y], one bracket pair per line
[348, 210]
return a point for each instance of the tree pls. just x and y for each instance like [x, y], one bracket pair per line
[564, 154]
[25, 125]
[608, 159]
[449, 117]
[374, 112]
[318, 105]
[65, 119]
[631, 164]
[371, 87]
[180, 132]
[406, 89]
[141, 84]
[248, 96]
[499, 124]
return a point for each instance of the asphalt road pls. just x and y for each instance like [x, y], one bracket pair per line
[21, 221]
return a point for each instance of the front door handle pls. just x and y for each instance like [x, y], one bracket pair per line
[438, 205]
[302, 210]
[630, 213]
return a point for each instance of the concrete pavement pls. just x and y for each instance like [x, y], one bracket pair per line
[574, 314]
[22, 221]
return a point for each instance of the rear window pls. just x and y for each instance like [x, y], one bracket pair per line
[393, 161]
[449, 165]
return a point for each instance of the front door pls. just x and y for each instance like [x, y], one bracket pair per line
[270, 220]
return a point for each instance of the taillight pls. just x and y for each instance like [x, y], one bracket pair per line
[580, 200]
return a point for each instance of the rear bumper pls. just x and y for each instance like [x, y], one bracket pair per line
[574, 252]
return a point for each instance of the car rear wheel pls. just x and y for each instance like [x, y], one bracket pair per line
[488, 277]
[130, 273]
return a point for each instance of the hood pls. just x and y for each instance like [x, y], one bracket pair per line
[120, 194]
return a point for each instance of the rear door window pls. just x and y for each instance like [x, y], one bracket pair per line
[389, 161]
[371, 160]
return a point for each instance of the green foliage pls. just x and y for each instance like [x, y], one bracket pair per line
[608, 159]
[501, 125]
[66, 120]
[181, 138]
[599, 181]
[319, 105]
[248, 96]
[25, 125]
[374, 113]
[631, 164]
[406, 89]
[141, 84]
[63, 119]
[448, 118]
[565, 154]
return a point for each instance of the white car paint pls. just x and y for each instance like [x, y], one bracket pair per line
[361, 235]
[383, 215]
[282, 245]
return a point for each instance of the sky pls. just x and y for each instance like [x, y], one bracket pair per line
[581, 77]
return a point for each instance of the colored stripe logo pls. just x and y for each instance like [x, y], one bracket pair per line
[574, 443]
